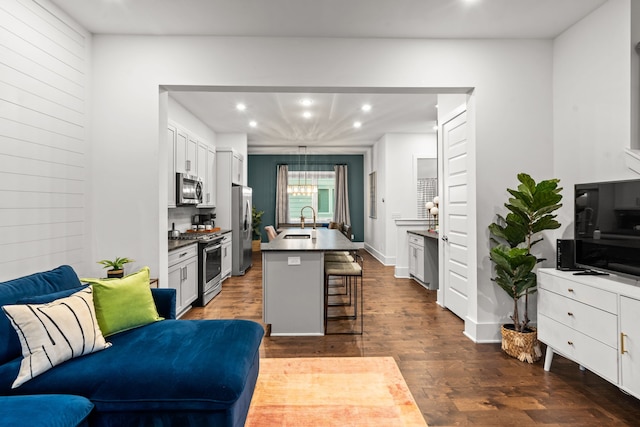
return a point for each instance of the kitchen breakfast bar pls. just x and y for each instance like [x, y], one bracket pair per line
[293, 279]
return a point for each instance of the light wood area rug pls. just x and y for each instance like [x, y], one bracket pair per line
[332, 391]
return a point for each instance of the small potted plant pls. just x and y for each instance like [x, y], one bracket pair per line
[256, 221]
[116, 267]
[513, 237]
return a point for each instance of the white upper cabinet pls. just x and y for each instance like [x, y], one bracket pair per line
[237, 169]
[209, 178]
[201, 169]
[181, 151]
[190, 155]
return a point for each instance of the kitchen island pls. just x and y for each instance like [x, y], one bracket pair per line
[293, 279]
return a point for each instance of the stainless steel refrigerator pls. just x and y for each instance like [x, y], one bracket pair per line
[242, 229]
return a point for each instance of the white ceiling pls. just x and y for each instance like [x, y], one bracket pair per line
[281, 127]
[332, 18]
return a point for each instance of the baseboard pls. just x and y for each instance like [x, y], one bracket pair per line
[482, 333]
[401, 273]
[379, 256]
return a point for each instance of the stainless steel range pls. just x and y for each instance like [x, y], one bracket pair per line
[209, 264]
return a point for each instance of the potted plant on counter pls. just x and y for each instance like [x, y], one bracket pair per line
[530, 212]
[116, 267]
[256, 221]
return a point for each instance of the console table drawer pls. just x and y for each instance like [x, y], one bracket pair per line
[584, 318]
[591, 353]
[596, 297]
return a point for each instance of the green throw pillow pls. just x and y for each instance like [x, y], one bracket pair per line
[123, 304]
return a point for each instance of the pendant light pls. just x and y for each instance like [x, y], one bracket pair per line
[300, 189]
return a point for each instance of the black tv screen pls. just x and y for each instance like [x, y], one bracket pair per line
[607, 226]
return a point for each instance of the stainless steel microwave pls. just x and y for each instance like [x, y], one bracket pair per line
[188, 189]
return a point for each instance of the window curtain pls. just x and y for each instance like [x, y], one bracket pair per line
[341, 211]
[282, 198]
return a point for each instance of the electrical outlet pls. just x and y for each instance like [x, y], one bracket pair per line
[293, 260]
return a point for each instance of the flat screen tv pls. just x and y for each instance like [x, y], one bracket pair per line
[607, 227]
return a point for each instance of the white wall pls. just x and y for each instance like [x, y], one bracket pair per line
[180, 115]
[512, 81]
[44, 155]
[591, 102]
[401, 191]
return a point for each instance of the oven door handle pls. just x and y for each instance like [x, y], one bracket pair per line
[212, 248]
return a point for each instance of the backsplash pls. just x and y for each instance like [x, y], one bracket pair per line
[181, 216]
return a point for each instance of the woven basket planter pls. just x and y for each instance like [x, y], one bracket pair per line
[524, 346]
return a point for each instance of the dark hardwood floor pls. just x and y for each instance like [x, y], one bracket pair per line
[453, 380]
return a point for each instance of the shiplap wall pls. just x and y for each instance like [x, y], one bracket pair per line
[43, 158]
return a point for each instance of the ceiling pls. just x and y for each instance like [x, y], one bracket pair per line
[280, 124]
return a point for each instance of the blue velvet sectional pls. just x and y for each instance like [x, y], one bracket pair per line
[168, 373]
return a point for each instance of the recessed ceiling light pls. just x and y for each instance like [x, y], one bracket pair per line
[253, 123]
[306, 114]
[357, 125]
[306, 102]
[240, 106]
[366, 107]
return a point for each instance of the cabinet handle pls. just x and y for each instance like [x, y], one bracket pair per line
[622, 350]
[570, 342]
[445, 239]
[570, 289]
[570, 314]
[185, 273]
[183, 254]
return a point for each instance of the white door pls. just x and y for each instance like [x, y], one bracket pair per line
[454, 232]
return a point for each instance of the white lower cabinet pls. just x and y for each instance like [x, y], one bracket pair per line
[416, 257]
[183, 276]
[592, 321]
[630, 345]
[226, 256]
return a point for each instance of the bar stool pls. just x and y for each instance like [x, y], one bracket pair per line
[351, 273]
[340, 256]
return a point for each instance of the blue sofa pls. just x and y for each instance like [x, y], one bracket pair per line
[167, 373]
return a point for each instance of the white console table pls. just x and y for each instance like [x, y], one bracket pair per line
[592, 320]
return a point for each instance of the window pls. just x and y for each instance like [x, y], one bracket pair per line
[322, 201]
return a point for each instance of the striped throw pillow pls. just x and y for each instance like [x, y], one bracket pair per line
[55, 332]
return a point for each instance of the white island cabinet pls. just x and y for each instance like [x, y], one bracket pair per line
[293, 279]
[592, 320]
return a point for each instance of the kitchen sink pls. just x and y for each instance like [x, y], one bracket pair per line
[297, 236]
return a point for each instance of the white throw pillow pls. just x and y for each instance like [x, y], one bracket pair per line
[55, 332]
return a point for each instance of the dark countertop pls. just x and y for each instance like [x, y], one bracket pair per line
[326, 240]
[178, 243]
[424, 233]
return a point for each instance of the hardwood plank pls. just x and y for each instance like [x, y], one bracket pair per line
[453, 380]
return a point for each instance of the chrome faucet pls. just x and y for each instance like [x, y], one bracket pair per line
[302, 217]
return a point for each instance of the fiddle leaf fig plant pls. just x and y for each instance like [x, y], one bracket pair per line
[530, 212]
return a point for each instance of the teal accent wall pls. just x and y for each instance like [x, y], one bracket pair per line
[262, 169]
